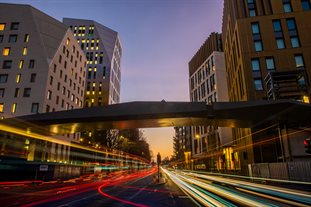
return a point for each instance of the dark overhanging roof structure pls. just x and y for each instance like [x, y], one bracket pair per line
[165, 114]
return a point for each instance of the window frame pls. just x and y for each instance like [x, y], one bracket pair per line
[12, 36]
[33, 107]
[27, 92]
[261, 45]
[14, 26]
[255, 60]
[5, 64]
[269, 60]
[258, 89]
[302, 60]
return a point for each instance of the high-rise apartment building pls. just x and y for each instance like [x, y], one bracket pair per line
[182, 146]
[42, 65]
[42, 69]
[267, 53]
[103, 51]
[208, 83]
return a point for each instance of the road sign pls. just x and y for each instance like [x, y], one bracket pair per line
[44, 168]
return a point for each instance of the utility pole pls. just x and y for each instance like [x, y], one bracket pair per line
[159, 162]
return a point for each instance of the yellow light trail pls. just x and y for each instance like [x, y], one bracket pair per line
[30, 134]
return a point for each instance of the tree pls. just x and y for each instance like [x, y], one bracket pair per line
[134, 142]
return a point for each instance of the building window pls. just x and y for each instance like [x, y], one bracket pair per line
[14, 25]
[295, 41]
[2, 26]
[49, 95]
[35, 108]
[1, 107]
[280, 43]
[258, 84]
[270, 63]
[7, 64]
[51, 80]
[3, 78]
[277, 26]
[299, 61]
[18, 78]
[258, 45]
[255, 28]
[13, 109]
[1, 38]
[31, 64]
[47, 110]
[2, 92]
[67, 41]
[16, 93]
[251, 8]
[255, 65]
[25, 51]
[287, 6]
[27, 92]
[26, 38]
[21, 64]
[6, 51]
[33, 78]
[305, 4]
[13, 38]
[291, 25]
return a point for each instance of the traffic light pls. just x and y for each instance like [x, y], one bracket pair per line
[307, 143]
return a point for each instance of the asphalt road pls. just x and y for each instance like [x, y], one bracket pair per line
[139, 192]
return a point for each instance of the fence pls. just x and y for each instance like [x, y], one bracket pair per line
[298, 170]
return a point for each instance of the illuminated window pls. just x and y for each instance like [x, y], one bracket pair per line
[49, 95]
[26, 38]
[92, 100]
[13, 109]
[18, 78]
[1, 107]
[68, 41]
[88, 93]
[25, 51]
[21, 63]
[6, 51]
[94, 84]
[2, 26]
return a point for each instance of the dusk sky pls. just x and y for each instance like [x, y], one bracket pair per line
[159, 37]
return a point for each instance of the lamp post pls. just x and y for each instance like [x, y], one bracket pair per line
[159, 162]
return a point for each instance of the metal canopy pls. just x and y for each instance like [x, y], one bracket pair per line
[164, 114]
